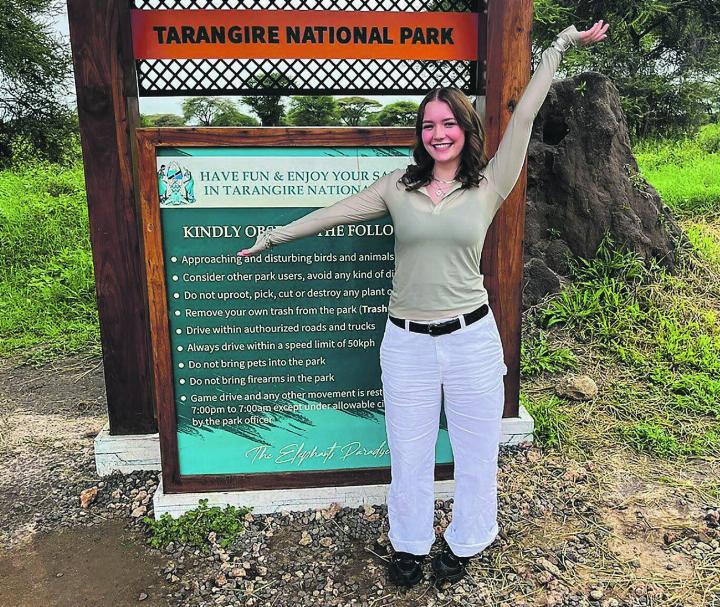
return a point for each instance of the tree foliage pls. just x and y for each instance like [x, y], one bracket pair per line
[34, 66]
[320, 110]
[232, 116]
[215, 111]
[400, 113]
[268, 108]
[663, 56]
[353, 111]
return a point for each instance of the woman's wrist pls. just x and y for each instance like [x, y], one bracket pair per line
[265, 240]
[565, 39]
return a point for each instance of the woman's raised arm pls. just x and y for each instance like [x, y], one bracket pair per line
[504, 167]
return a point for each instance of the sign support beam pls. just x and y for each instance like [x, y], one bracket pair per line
[108, 111]
[508, 72]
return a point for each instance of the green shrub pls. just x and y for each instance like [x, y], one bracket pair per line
[193, 527]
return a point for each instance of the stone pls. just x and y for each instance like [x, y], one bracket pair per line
[139, 511]
[596, 594]
[332, 511]
[143, 596]
[305, 539]
[548, 566]
[88, 496]
[577, 387]
[326, 541]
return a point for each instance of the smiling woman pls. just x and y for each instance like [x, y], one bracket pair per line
[441, 344]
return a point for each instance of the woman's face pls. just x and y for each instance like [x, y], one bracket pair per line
[441, 134]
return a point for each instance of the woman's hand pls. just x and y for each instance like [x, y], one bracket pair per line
[256, 248]
[595, 34]
[261, 244]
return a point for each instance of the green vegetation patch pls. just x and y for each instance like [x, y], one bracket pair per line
[685, 172]
[194, 527]
[658, 330]
[47, 288]
[538, 357]
[552, 425]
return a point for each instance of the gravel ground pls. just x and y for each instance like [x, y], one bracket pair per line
[573, 532]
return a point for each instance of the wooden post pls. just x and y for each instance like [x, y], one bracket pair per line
[508, 72]
[108, 111]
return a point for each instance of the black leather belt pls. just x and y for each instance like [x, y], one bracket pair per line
[441, 328]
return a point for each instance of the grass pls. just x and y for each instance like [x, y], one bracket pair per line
[552, 424]
[685, 172]
[657, 338]
[47, 292]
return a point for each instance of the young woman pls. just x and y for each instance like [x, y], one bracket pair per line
[441, 342]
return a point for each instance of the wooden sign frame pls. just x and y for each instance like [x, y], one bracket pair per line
[149, 140]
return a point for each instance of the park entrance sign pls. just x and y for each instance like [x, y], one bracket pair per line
[291, 34]
[264, 373]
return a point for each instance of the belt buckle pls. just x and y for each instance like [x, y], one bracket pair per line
[437, 325]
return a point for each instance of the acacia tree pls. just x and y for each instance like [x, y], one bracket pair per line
[663, 56]
[400, 113]
[352, 111]
[319, 110]
[34, 68]
[215, 111]
[161, 120]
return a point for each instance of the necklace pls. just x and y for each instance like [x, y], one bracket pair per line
[439, 191]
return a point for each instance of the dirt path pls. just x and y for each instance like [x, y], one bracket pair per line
[52, 552]
[105, 564]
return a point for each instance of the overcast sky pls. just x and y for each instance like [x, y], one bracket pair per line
[173, 105]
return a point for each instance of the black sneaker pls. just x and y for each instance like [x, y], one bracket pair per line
[405, 569]
[447, 566]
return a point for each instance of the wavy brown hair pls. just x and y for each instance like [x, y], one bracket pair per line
[472, 158]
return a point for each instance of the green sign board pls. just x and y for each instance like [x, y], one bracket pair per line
[275, 357]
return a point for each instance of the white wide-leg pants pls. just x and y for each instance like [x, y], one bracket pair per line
[465, 370]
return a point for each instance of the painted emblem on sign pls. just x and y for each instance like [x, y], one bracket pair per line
[175, 185]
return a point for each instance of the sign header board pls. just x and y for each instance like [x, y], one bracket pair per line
[286, 34]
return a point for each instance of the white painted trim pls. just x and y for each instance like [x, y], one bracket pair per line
[277, 500]
[126, 453]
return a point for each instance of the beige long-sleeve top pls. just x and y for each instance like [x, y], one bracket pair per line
[438, 247]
